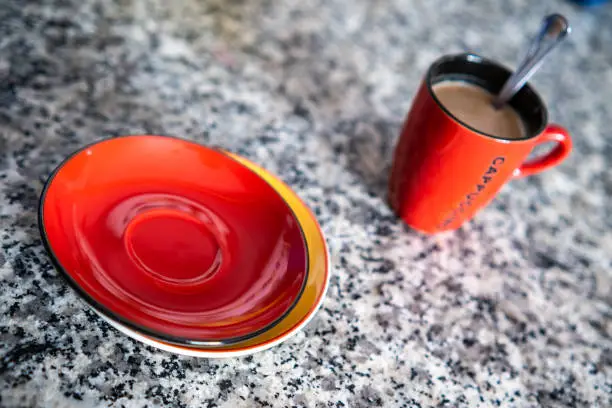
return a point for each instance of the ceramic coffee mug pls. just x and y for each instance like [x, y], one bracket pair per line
[445, 170]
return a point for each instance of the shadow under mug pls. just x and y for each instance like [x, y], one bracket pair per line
[444, 170]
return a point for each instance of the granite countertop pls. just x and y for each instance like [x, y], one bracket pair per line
[513, 310]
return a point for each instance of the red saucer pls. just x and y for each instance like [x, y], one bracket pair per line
[173, 239]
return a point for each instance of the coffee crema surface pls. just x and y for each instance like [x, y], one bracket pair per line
[473, 106]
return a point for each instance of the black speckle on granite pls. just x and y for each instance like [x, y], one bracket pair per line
[513, 309]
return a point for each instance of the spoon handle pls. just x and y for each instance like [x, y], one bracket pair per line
[554, 28]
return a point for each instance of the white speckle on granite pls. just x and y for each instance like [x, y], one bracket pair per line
[513, 310]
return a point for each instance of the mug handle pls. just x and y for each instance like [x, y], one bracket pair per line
[552, 133]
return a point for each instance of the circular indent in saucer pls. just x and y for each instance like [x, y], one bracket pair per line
[185, 253]
[174, 240]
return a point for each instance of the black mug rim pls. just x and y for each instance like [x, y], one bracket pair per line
[472, 58]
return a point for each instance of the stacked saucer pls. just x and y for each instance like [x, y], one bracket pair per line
[189, 249]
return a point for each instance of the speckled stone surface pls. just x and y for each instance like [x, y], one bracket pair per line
[513, 310]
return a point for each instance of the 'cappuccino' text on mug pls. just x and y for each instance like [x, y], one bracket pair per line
[467, 201]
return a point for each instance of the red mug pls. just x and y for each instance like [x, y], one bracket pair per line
[443, 170]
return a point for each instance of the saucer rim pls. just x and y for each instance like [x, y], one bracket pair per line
[155, 335]
[220, 352]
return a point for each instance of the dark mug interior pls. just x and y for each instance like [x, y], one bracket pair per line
[490, 76]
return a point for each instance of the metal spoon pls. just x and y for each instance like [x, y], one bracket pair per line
[554, 29]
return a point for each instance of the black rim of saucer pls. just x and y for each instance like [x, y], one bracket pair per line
[99, 307]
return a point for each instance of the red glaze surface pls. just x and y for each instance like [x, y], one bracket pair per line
[444, 172]
[175, 239]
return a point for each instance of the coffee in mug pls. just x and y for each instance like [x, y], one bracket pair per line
[473, 106]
